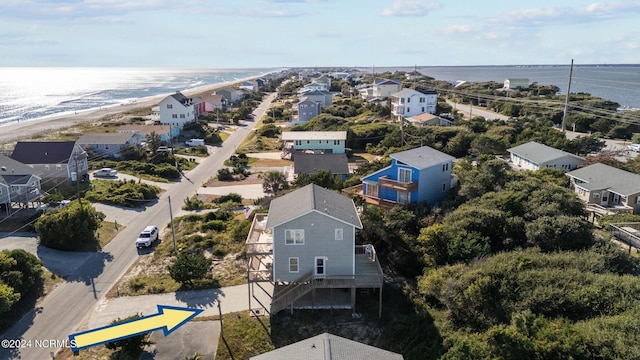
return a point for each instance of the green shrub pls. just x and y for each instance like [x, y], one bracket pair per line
[229, 197]
[225, 174]
[214, 225]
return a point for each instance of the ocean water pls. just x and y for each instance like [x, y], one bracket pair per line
[31, 93]
[618, 83]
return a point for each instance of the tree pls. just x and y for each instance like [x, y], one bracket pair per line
[7, 298]
[71, 228]
[274, 181]
[153, 141]
[132, 347]
[188, 267]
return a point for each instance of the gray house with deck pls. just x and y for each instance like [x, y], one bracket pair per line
[306, 247]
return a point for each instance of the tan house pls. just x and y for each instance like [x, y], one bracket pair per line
[606, 190]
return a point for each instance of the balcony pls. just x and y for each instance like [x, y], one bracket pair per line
[373, 200]
[602, 210]
[398, 110]
[385, 182]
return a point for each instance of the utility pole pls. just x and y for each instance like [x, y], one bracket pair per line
[566, 100]
[75, 158]
[173, 229]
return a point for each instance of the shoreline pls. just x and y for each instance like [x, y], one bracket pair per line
[16, 131]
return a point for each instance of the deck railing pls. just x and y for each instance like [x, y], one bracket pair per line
[386, 182]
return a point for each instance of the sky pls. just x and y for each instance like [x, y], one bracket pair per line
[303, 33]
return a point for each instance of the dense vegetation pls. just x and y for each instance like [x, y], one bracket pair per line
[71, 228]
[20, 280]
[122, 193]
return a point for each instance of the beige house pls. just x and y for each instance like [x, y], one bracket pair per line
[534, 156]
[606, 190]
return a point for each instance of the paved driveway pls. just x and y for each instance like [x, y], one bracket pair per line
[61, 263]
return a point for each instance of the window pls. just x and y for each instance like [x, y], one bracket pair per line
[596, 195]
[444, 186]
[408, 109]
[637, 199]
[169, 106]
[404, 175]
[181, 116]
[308, 141]
[58, 167]
[421, 99]
[174, 116]
[294, 237]
[408, 100]
[294, 266]
[423, 109]
[372, 190]
[297, 142]
[339, 234]
[336, 142]
[443, 167]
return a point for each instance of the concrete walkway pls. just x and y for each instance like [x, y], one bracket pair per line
[232, 299]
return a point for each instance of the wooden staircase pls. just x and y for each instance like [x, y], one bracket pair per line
[286, 295]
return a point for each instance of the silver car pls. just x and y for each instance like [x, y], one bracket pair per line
[105, 172]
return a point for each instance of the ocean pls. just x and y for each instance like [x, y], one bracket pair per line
[32, 93]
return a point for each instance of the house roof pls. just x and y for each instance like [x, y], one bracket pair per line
[180, 97]
[422, 157]
[407, 92]
[539, 153]
[312, 198]
[327, 346]
[311, 163]
[600, 176]
[422, 117]
[15, 179]
[385, 82]
[14, 167]
[314, 135]
[43, 152]
[315, 92]
[118, 138]
[146, 129]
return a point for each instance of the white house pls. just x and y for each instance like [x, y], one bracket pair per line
[408, 102]
[177, 110]
[384, 88]
[516, 83]
[533, 156]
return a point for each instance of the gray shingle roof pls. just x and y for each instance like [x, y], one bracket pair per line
[104, 138]
[327, 346]
[539, 153]
[309, 198]
[601, 176]
[311, 163]
[43, 152]
[14, 167]
[422, 157]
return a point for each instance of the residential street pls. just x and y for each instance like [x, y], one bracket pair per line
[72, 303]
[469, 111]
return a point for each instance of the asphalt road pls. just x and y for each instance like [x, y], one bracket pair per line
[469, 111]
[70, 304]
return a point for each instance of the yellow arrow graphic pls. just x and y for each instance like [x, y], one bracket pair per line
[168, 318]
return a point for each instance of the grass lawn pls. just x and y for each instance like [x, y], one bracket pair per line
[107, 232]
[255, 162]
[245, 335]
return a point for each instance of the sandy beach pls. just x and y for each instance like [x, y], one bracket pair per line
[15, 131]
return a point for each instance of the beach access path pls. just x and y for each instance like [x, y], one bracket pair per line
[70, 304]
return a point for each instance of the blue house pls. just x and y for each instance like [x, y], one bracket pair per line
[421, 174]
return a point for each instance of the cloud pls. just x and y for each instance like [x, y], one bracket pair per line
[410, 8]
[257, 12]
[22, 40]
[76, 9]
